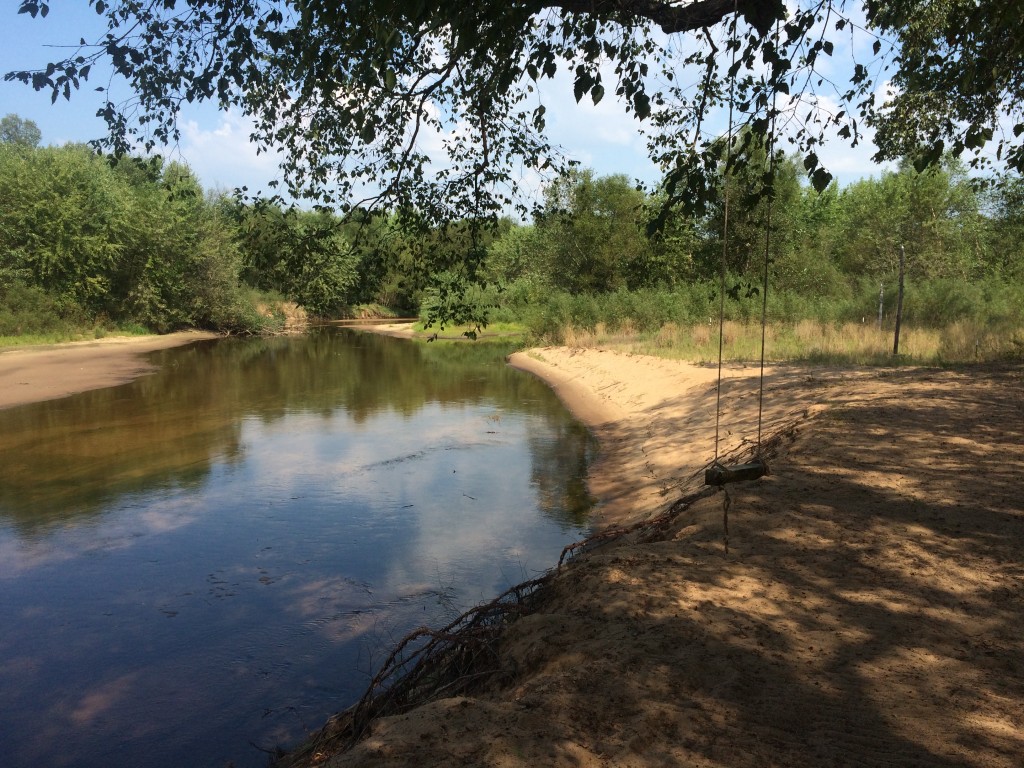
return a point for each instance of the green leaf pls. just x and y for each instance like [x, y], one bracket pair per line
[583, 84]
[820, 180]
[642, 104]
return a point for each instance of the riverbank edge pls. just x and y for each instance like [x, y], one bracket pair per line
[813, 626]
[48, 372]
[618, 423]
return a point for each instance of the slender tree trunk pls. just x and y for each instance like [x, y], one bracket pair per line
[899, 305]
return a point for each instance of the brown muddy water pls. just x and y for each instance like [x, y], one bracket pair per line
[206, 563]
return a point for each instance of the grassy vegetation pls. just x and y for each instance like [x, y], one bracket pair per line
[810, 341]
[505, 330]
[71, 334]
[30, 316]
[943, 323]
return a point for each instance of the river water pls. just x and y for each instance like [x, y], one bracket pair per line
[206, 563]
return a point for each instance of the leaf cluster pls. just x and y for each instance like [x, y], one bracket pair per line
[958, 85]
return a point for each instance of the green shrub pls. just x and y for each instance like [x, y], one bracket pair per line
[29, 310]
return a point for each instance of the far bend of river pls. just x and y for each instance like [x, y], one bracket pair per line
[211, 560]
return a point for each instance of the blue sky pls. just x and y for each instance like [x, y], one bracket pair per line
[216, 146]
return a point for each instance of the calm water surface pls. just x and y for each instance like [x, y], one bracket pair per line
[211, 560]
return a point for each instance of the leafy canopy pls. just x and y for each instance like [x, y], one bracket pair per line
[438, 106]
[22, 133]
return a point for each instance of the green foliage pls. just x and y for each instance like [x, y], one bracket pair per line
[22, 133]
[354, 92]
[932, 304]
[759, 195]
[29, 310]
[520, 255]
[304, 255]
[941, 302]
[450, 301]
[434, 111]
[958, 74]
[63, 221]
[134, 242]
[1004, 239]
[933, 214]
[327, 272]
[829, 253]
[590, 236]
[593, 233]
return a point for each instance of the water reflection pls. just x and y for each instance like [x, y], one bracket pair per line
[77, 456]
[217, 554]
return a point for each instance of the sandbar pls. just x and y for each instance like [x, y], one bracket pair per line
[29, 375]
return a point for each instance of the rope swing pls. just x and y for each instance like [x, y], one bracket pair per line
[718, 474]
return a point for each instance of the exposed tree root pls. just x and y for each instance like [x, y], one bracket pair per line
[433, 664]
[426, 665]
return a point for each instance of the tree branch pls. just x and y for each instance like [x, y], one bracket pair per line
[670, 16]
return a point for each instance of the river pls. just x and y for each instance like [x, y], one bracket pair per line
[204, 564]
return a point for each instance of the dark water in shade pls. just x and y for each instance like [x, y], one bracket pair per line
[213, 559]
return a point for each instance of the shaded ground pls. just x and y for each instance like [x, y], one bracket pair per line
[870, 611]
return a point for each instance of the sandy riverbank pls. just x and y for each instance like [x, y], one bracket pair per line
[869, 612]
[29, 375]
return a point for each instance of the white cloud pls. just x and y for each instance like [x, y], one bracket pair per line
[600, 136]
[219, 151]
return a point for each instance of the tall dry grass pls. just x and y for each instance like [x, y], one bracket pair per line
[811, 341]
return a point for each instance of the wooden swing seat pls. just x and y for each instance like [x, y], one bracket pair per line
[719, 475]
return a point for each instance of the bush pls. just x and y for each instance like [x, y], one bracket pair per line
[29, 310]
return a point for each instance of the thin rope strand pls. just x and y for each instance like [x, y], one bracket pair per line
[725, 236]
[767, 244]
[764, 304]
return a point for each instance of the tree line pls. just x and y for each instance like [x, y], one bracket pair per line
[86, 241]
[89, 240]
[829, 254]
[139, 241]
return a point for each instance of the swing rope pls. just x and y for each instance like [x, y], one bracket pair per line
[770, 148]
[767, 246]
[725, 229]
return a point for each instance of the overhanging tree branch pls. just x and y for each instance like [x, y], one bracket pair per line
[671, 17]
[339, 88]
